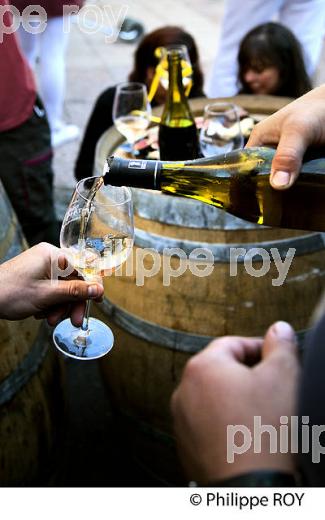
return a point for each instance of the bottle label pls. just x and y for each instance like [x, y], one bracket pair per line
[137, 165]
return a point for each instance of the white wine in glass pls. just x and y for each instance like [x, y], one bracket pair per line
[97, 237]
[131, 111]
[132, 127]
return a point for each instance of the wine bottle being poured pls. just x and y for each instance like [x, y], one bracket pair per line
[237, 182]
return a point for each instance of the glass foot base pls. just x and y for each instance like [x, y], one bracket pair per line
[85, 345]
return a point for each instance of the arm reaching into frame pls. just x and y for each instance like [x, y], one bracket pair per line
[232, 381]
[292, 129]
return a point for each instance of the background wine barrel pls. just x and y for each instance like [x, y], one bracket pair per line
[158, 327]
[32, 402]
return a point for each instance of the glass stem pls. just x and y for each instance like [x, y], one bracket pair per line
[85, 320]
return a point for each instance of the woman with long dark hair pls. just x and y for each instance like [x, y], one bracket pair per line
[271, 62]
[145, 62]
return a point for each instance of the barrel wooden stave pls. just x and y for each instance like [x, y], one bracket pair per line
[222, 304]
[32, 400]
[31, 428]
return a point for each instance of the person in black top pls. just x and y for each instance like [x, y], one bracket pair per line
[145, 63]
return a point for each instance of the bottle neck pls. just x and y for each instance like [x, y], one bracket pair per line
[175, 86]
[176, 111]
[136, 173]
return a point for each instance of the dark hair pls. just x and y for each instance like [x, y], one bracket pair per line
[273, 45]
[145, 55]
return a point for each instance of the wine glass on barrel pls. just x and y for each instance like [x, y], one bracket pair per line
[221, 131]
[131, 112]
[97, 237]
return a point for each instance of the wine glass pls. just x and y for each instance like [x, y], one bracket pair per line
[131, 112]
[220, 132]
[97, 236]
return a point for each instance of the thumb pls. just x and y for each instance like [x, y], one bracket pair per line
[279, 341]
[287, 160]
[73, 290]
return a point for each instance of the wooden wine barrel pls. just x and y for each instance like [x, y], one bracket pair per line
[32, 404]
[158, 327]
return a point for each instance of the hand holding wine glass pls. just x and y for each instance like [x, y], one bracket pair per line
[221, 132]
[97, 237]
[131, 111]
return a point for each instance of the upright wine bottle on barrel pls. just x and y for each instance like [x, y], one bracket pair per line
[178, 139]
[237, 182]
